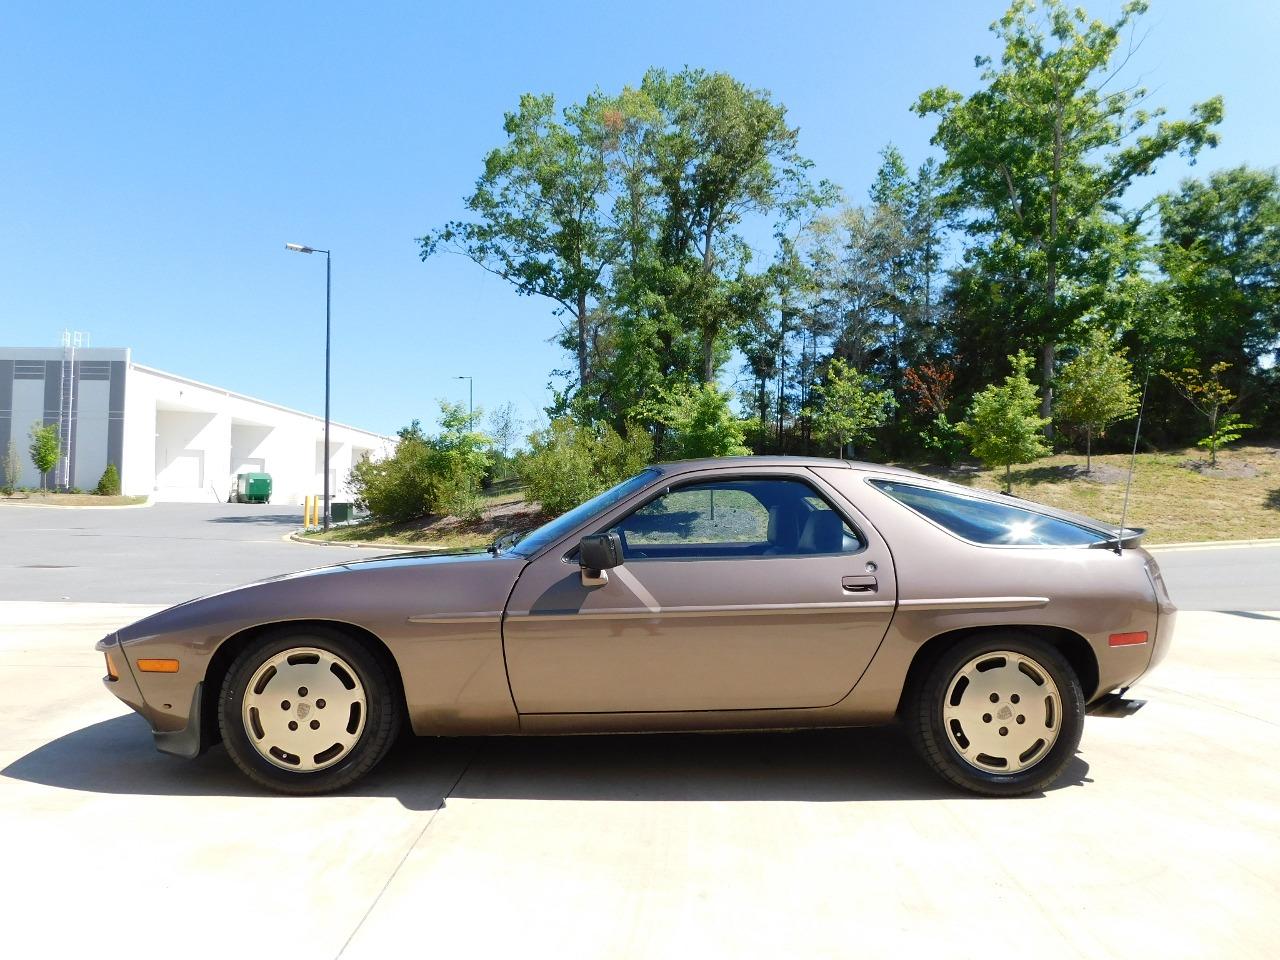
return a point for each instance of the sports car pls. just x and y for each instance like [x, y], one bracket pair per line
[730, 594]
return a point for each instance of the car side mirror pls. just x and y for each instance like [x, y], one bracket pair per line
[597, 554]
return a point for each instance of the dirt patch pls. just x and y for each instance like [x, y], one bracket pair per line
[1105, 473]
[1225, 469]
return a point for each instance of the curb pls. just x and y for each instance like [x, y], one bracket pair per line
[1212, 545]
[297, 537]
[149, 502]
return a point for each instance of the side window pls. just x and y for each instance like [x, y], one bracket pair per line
[736, 518]
[986, 521]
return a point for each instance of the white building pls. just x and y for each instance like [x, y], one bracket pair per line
[170, 437]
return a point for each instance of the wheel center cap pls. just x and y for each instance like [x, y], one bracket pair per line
[305, 708]
[1004, 713]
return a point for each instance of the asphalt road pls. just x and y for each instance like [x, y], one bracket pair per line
[1223, 578]
[172, 552]
[165, 553]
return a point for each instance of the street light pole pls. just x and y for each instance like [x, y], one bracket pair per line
[300, 248]
[471, 398]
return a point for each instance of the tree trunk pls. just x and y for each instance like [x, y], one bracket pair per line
[708, 356]
[582, 341]
[1046, 400]
[1088, 450]
[1008, 479]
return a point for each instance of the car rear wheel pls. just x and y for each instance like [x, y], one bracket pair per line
[999, 714]
[307, 711]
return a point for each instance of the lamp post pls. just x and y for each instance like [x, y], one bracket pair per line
[300, 248]
[471, 396]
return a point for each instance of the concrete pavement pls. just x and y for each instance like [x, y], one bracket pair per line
[1163, 837]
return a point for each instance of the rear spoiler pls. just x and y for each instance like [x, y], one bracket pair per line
[1126, 539]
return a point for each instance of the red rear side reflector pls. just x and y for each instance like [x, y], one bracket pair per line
[1127, 639]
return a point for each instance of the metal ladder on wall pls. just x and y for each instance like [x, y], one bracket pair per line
[72, 340]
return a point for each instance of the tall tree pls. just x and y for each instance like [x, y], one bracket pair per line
[1040, 157]
[1220, 249]
[721, 154]
[537, 213]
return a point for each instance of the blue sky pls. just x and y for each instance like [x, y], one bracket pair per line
[156, 157]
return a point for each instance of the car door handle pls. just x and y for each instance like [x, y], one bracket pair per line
[859, 584]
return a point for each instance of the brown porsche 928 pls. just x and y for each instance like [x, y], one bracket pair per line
[732, 594]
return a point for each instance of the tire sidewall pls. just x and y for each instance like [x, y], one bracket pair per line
[954, 767]
[380, 720]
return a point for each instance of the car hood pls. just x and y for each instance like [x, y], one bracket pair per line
[361, 592]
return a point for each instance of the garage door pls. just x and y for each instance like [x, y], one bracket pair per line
[184, 471]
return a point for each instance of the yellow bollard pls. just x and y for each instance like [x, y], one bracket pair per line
[306, 512]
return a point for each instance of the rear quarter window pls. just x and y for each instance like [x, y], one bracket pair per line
[988, 522]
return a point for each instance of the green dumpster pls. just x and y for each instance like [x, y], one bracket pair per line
[253, 488]
[340, 512]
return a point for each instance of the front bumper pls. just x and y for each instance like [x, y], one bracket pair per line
[187, 741]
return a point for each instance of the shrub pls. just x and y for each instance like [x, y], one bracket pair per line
[12, 468]
[109, 485]
[568, 462]
[698, 423]
[425, 474]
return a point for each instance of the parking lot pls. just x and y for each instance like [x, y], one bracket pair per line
[1163, 838]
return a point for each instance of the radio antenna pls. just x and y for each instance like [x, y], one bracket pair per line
[1133, 462]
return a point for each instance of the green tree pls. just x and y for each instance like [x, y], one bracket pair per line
[538, 216]
[1096, 389]
[720, 153]
[109, 483]
[1040, 157]
[1209, 395]
[12, 467]
[44, 449]
[1002, 426]
[569, 462]
[698, 423]
[847, 407]
[1219, 247]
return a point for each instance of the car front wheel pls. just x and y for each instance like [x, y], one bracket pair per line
[307, 711]
[999, 714]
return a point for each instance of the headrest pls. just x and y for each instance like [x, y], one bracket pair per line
[823, 533]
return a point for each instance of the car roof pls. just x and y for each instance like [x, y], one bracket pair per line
[677, 467]
[777, 460]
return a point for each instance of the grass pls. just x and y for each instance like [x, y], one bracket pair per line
[70, 499]
[1175, 496]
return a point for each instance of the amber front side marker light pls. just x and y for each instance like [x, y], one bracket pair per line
[1127, 639]
[158, 666]
[112, 672]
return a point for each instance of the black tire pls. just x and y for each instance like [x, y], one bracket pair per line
[381, 721]
[929, 734]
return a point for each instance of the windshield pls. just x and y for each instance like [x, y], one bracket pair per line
[535, 540]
